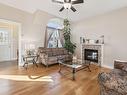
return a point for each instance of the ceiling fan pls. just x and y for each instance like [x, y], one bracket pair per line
[67, 4]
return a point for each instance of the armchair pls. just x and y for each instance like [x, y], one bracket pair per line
[115, 82]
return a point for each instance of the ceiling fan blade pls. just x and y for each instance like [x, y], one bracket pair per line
[67, 1]
[77, 1]
[73, 9]
[61, 9]
[57, 1]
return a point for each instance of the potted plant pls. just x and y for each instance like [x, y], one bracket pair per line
[68, 45]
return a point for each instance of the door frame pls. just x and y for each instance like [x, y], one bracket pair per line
[19, 34]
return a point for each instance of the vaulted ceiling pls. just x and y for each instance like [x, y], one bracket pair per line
[88, 9]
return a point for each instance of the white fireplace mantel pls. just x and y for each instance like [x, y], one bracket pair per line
[93, 44]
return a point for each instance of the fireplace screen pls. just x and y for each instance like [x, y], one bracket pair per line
[91, 55]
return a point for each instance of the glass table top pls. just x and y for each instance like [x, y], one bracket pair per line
[77, 64]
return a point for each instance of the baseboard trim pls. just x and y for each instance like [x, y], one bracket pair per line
[7, 60]
[106, 66]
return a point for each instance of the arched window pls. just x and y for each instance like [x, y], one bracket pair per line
[54, 40]
[54, 35]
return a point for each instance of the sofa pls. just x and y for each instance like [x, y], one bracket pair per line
[114, 82]
[49, 56]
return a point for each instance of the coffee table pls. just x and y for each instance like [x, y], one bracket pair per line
[74, 66]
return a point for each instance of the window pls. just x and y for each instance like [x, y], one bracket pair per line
[54, 40]
[4, 37]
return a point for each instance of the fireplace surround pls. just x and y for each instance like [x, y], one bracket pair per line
[92, 53]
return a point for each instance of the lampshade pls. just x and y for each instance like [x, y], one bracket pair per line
[67, 5]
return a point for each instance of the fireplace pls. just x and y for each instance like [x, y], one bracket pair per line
[91, 55]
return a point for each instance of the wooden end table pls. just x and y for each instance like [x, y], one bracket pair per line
[30, 59]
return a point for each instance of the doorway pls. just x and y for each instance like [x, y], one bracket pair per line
[9, 40]
[5, 49]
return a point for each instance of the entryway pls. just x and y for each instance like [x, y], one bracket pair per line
[9, 40]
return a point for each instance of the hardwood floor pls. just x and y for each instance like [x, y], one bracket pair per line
[46, 81]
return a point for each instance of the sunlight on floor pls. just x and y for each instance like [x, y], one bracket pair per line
[27, 78]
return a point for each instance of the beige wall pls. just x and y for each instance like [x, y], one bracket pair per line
[113, 26]
[33, 25]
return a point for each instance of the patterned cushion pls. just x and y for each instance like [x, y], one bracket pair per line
[120, 65]
[52, 59]
[49, 54]
[54, 53]
[125, 68]
[112, 85]
[115, 82]
[60, 52]
[118, 73]
[65, 52]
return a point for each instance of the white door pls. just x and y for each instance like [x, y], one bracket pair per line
[5, 47]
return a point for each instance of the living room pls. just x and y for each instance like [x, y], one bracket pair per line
[95, 23]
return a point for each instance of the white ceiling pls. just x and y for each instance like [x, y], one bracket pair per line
[88, 9]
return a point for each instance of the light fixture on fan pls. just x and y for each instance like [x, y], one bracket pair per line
[67, 5]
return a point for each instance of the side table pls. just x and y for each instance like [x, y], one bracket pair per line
[30, 59]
